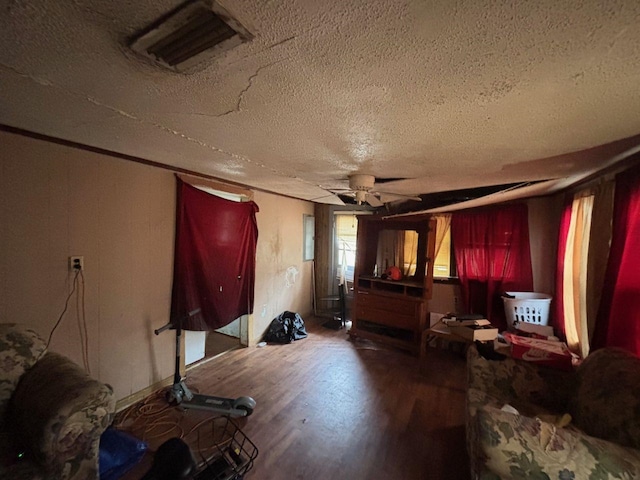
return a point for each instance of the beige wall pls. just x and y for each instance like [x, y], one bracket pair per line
[446, 298]
[57, 201]
[544, 222]
[279, 254]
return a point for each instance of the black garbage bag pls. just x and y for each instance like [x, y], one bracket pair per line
[285, 328]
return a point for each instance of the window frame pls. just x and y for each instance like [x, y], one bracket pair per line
[453, 272]
[308, 237]
[337, 247]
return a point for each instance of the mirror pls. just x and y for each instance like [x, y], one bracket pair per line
[399, 248]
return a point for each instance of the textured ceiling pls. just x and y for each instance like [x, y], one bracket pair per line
[450, 94]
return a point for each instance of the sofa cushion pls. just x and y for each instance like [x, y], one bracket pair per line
[519, 383]
[477, 399]
[506, 445]
[607, 401]
[20, 348]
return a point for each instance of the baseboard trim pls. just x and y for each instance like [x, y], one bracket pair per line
[142, 394]
[145, 392]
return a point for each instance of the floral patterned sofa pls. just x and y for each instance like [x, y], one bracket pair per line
[602, 441]
[51, 412]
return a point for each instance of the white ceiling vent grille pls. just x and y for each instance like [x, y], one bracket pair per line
[195, 32]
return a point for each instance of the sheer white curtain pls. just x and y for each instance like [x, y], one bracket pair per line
[574, 279]
[410, 252]
[443, 224]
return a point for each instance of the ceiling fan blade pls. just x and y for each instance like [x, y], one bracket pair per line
[392, 197]
[329, 199]
[373, 200]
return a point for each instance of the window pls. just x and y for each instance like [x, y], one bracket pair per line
[346, 235]
[410, 254]
[399, 248]
[308, 237]
[444, 265]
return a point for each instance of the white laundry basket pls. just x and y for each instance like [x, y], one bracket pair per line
[528, 307]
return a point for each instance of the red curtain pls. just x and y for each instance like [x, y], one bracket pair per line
[492, 255]
[215, 259]
[565, 221]
[618, 322]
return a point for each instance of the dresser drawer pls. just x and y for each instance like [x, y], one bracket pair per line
[400, 306]
[388, 310]
[387, 318]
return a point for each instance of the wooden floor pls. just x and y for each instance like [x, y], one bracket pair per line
[332, 408]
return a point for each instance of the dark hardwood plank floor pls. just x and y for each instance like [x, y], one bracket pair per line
[332, 408]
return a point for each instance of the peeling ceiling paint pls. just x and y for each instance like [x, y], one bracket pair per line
[448, 94]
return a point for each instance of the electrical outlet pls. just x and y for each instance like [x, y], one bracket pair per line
[76, 263]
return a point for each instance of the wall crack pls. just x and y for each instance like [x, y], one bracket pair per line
[123, 113]
[243, 92]
[33, 78]
[131, 116]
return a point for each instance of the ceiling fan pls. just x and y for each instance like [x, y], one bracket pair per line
[362, 187]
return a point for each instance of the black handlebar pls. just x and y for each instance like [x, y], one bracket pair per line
[170, 325]
[162, 329]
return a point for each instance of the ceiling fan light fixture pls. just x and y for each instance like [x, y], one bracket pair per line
[361, 182]
[361, 196]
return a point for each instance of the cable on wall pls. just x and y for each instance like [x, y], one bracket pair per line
[78, 285]
[82, 324]
[66, 306]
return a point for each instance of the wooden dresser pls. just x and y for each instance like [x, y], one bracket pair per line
[393, 312]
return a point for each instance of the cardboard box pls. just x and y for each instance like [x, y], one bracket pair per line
[542, 352]
[541, 330]
[482, 333]
[465, 323]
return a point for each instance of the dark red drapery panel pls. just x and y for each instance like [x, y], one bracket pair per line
[618, 322]
[565, 221]
[215, 258]
[492, 255]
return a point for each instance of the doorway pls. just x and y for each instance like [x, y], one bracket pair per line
[203, 345]
[226, 338]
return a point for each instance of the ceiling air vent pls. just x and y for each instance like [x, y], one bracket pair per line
[187, 37]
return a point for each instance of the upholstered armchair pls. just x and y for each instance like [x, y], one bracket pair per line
[52, 413]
